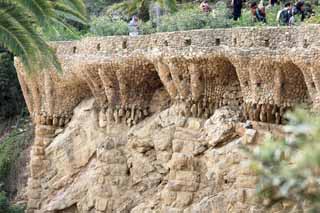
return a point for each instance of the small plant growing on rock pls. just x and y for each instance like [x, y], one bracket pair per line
[289, 169]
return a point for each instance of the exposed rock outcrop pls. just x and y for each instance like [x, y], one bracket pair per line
[166, 163]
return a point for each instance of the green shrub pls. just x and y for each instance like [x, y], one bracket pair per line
[60, 33]
[11, 98]
[5, 206]
[189, 17]
[289, 169]
[316, 18]
[105, 26]
[147, 28]
[10, 149]
[246, 18]
[193, 18]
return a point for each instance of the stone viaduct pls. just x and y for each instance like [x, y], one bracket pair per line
[263, 71]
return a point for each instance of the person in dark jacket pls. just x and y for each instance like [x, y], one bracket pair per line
[258, 14]
[273, 2]
[298, 9]
[237, 6]
[285, 16]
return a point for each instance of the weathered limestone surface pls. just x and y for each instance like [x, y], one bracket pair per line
[153, 123]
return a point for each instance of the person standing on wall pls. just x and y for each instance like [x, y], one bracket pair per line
[237, 6]
[133, 26]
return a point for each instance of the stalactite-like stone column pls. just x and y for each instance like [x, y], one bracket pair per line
[180, 75]
[166, 78]
[44, 134]
[196, 79]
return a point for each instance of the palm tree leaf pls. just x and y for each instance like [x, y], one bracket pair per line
[19, 24]
[60, 22]
[22, 40]
[14, 37]
[69, 13]
[77, 5]
[40, 9]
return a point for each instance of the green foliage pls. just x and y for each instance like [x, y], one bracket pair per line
[193, 18]
[141, 7]
[316, 18]
[147, 27]
[105, 26]
[246, 18]
[10, 148]
[11, 98]
[20, 21]
[5, 206]
[60, 33]
[95, 7]
[188, 17]
[99, 7]
[289, 169]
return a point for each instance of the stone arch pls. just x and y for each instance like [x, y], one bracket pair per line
[129, 85]
[199, 85]
[290, 85]
[138, 80]
[220, 81]
[213, 83]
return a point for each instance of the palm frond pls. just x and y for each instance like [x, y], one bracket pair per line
[77, 5]
[59, 22]
[39, 9]
[65, 11]
[119, 6]
[14, 37]
[19, 20]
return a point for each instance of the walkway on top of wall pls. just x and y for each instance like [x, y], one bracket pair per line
[249, 37]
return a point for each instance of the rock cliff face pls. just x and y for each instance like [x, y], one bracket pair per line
[153, 123]
[166, 163]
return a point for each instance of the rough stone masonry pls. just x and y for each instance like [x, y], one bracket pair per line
[154, 123]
